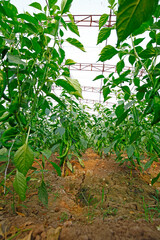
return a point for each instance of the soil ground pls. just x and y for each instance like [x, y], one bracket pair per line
[102, 201]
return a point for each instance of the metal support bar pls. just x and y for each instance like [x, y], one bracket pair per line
[90, 20]
[101, 67]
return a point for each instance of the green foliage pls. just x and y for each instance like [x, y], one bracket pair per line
[103, 19]
[36, 5]
[20, 185]
[76, 43]
[56, 167]
[110, 212]
[155, 179]
[69, 62]
[23, 159]
[135, 122]
[111, 2]
[43, 194]
[120, 65]
[103, 34]
[64, 217]
[73, 27]
[47, 153]
[72, 86]
[65, 6]
[156, 107]
[31, 61]
[8, 135]
[107, 53]
[129, 141]
[131, 14]
[2, 83]
[71, 127]
[149, 211]
[3, 159]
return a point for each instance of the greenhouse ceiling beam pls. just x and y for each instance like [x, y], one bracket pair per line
[90, 20]
[96, 67]
[100, 67]
[91, 101]
[84, 88]
[87, 89]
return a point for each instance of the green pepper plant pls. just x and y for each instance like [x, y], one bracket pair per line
[138, 40]
[130, 142]
[31, 61]
[71, 130]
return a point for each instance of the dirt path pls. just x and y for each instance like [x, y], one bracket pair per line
[99, 202]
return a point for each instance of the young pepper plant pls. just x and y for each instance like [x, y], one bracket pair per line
[31, 60]
[140, 83]
[71, 128]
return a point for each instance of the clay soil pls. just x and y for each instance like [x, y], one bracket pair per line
[102, 201]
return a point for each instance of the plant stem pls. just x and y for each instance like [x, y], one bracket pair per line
[136, 54]
[19, 88]
[41, 169]
[5, 173]
[47, 5]
[28, 135]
